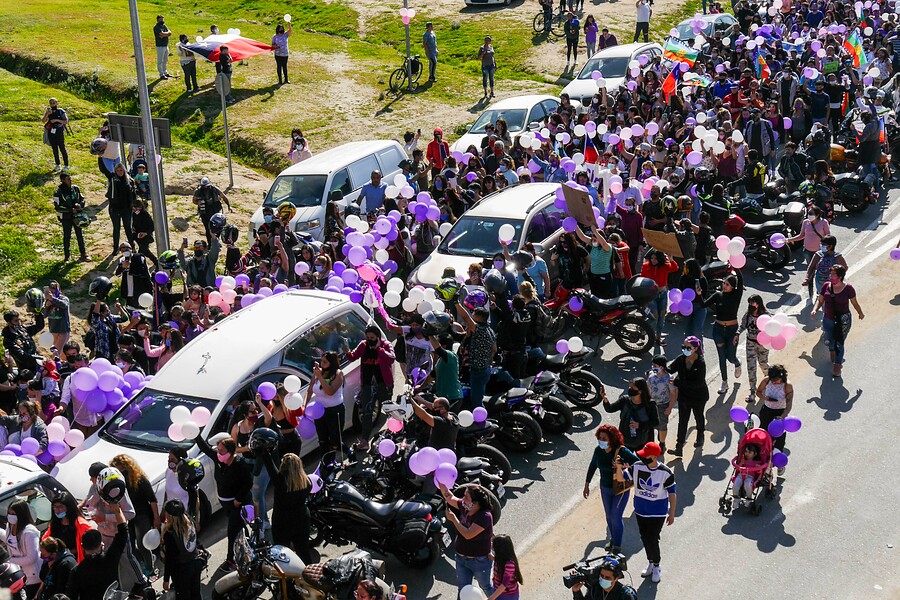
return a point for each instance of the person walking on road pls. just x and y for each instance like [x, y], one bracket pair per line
[638, 418]
[572, 29]
[161, 35]
[819, 270]
[474, 532]
[68, 201]
[778, 399]
[654, 502]
[55, 121]
[488, 65]
[610, 451]
[642, 25]
[756, 352]
[693, 393]
[208, 200]
[281, 51]
[836, 297]
[429, 41]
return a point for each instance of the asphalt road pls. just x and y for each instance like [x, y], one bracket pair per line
[831, 531]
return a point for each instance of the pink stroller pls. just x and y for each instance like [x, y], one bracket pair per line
[760, 472]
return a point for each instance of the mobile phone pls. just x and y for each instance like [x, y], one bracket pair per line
[184, 241]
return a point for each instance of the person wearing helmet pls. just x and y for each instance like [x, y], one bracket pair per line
[208, 199]
[201, 268]
[18, 339]
[67, 201]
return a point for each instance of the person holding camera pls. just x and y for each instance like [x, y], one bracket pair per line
[609, 583]
[68, 201]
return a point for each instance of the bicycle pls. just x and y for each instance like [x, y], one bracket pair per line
[399, 78]
[556, 25]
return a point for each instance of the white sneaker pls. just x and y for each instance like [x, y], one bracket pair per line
[737, 373]
[657, 574]
[780, 471]
[648, 571]
[724, 387]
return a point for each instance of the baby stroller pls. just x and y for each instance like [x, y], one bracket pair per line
[761, 473]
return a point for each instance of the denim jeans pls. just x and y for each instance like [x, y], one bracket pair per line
[658, 310]
[480, 568]
[477, 385]
[487, 76]
[614, 507]
[872, 168]
[835, 346]
[723, 336]
[260, 485]
[693, 325]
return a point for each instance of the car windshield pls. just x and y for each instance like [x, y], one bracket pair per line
[686, 32]
[613, 66]
[299, 190]
[515, 119]
[477, 236]
[145, 422]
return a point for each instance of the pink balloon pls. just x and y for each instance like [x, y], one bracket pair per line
[738, 260]
[394, 425]
[764, 339]
[722, 242]
[778, 342]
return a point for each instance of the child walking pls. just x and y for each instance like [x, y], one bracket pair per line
[507, 576]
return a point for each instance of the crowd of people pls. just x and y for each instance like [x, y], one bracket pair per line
[746, 106]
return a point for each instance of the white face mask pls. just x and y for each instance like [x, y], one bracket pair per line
[12, 519]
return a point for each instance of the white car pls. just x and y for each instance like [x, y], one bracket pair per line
[21, 479]
[519, 111]
[474, 237]
[613, 64]
[267, 341]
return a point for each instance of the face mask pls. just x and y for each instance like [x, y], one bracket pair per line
[371, 343]
[634, 392]
[267, 218]
[198, 254]
[606, 584]
[499, 264]
[223, 458]
[173, 466]
[602, 444]
[445, 217]
[824, 248]
[502, 169]
[319, 268]
[554, 162]
[121, 364]
[23, 418]
[686, 351]
[61, 515]
[12, 519]
[632, 208]
[438, 185]
[168, 343]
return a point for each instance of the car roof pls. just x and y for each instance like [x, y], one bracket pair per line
[520, 101]
[514, 202]
[624, 49]
[15, 470]
[232, 350]
[335, 158]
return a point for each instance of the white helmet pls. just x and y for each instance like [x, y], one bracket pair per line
[204, 181]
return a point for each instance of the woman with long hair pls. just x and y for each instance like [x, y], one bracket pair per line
[572, 260]
[57, 565]
[778, 400]
[284, 421]
[638, 418]
[323, 272]
[172, 342]
[290, 514]
[609, 450]
[693, 394]
[248, 417]
[179, 543]
[725, 304]
[507, 575]
[146, 508]
[67, 523]
[327, 389]
[22, 540]
[756, 352]
[836, 296]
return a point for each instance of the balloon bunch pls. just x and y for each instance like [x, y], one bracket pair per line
[103, 388]
[682, 301]
[62, 440]
[775, 331]
[440, 462]
[407, 14]
[731, 250]
[186, 423]
[400, 187]
[468, 417]
[776, 428]
[573, 344]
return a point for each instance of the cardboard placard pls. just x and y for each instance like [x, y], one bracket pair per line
[667, 242]
[579, 206]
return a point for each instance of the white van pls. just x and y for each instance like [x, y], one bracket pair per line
[309, 184]
[267, 341]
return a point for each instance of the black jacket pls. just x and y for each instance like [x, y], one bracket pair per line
[20, 343]
[67, 201]
[232, 481]
[142, 222]
[691, 382]
[120, 192]
[56, 577]
[97, 572]
[618, 592]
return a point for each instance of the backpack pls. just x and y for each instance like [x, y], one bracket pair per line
[541, 321]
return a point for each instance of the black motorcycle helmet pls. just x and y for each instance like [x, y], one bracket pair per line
[229, 234]
[263, 440]
[217, 223]
[111, 485]
[642, 289]
[190, 473]
[100, 287]
[523, 259]
[34, 298]
[12, 578]
[494, 282]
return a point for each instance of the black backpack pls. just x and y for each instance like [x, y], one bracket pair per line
[541, 321]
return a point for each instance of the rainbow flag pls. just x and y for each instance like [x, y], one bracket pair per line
[676, 51]
[762, 68]
[853, 45]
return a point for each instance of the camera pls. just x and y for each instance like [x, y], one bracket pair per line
[587, 571]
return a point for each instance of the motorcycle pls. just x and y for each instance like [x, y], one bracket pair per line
[621, 317]
[579, 386]
[534, 396]
[341, 514]
[263, 567]
[757, 209]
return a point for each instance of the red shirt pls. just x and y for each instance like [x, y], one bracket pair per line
[437, 152]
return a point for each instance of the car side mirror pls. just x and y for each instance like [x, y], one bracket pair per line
[469, 127]
[538, 248]
[534, 126]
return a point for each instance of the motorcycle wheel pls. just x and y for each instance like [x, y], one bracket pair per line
[558, 418]
[521, 432]
[495, 457]
[246, 591]
[581, 389]
[496, 510]
[424, 556]
[634, 335]
[854, 203]
[774, 258]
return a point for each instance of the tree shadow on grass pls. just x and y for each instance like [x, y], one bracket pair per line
[418, 88]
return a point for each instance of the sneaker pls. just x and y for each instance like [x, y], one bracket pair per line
[780, 471]
[227, 566]
[724, 387]
[648, 571]
[56, 168]
[676, 451]
[751, 398]
[656, 575]
[737, 372]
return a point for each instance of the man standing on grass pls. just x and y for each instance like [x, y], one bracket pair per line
[55, 121]
[429, 41]
[642, 26]
[161, 35]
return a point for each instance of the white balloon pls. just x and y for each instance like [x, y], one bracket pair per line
[737, 136]
[407, 192]
[392, 191]
[507, 232]
[437, 305]
[145, 300]
[292, 384]
[287, 17]
[395, 285]
[392, 299]
[772, 328]
[471, 592]
[445, 229]
[363, 226]
[578, 157]
[423, 307]
[409, 305]
[579, 130]
[353, 221]
[780, 317]
[382, 256]
[400, 180]
[466, 418]
[151, 540]
[45, 339]
[735, 248]
[701, 117]
[700, 131]
[429, 295]
[723, 254]
[180, 414]
[576, 344]
[535, 144]
[293, 401]
[719, 147]
[416, 294]
[190, 430]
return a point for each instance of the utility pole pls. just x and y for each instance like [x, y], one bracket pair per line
[223, 85]
[157, 193]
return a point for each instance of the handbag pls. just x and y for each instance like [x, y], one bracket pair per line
[620, 487]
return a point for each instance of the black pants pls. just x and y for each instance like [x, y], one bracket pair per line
[234, 525]
[143, 245]
[685, 408]
[548, 18]
[120, 217]
[602, 286]
[68, 226]
[205, 220]
[328, 428]
[186, 578]
[290, 527]
[640, 28]
[137, 528]
[514, 363]
[58, 144]
[766, 416]
[190, 76]
[281, 68]
[650, 528]
[571, 49]
[432, 68]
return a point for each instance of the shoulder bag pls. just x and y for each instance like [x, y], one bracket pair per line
[620, 487]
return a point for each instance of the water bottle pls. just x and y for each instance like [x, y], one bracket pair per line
[632, 431]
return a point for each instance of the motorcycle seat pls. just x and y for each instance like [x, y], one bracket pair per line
[760, 229]
[407, 509]
[519, 392]
[608, 304]
[555, 360]
[469, 464]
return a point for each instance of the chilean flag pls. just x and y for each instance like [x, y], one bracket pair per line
[240, 47]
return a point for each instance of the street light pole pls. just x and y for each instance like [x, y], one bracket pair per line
[157, 193]
[223, 85]
[408, 63]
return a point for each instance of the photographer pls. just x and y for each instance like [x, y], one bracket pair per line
[608, 583]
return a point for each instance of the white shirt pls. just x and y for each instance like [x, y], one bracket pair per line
[174, 491]
[335, 399]
[643, 12]
[25, 552]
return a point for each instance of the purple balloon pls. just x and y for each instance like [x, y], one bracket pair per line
[562, 346]
[219, 279]
[161, 278]
[280, 288]
[685, 307]
[446, 474]
[356, 297]
[44, 458]
[95, 401]
[390, 265]
[31, 446]
[688, 294]
[266, 390]
[314, 410]
[338, 267]
[575, 304]
[779, 460]
[241, 280]
[265, 292]
[776, 428]
[480, 414]
[569, 224]
[14, 448]
[792, 424]
[306, 428]
[739, 414]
